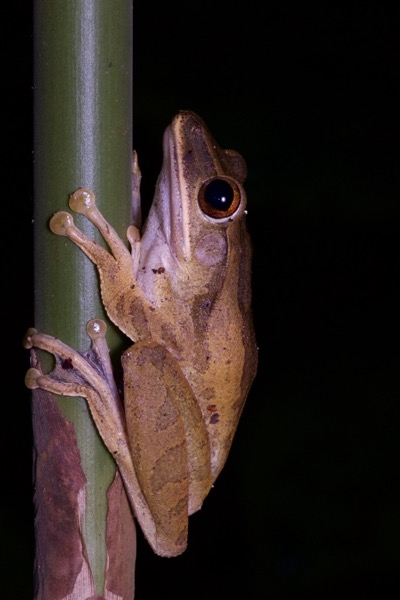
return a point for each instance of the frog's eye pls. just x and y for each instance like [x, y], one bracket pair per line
[219, 197]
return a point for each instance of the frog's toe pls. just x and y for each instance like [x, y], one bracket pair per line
[60, 222]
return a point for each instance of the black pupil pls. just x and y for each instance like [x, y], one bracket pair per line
[219, 194]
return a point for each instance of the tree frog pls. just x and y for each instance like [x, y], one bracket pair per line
[182, 294]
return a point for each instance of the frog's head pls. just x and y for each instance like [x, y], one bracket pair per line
[199, 202]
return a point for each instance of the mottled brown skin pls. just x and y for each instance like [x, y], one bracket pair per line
[184, 298]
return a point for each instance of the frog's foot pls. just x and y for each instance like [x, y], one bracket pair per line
[88, 375]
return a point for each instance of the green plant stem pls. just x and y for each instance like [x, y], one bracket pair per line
[82, 138]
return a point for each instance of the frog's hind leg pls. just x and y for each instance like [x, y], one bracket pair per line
[86, 375]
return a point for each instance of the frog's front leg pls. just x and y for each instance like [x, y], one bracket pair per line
[117, 269]
[160, 443]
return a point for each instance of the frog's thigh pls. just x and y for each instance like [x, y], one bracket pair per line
[156, 430]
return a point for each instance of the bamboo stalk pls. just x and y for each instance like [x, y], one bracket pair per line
[82, 138]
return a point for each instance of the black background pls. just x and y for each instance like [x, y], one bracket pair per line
[307, 505]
